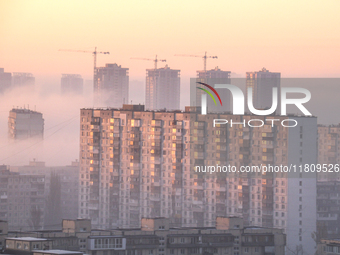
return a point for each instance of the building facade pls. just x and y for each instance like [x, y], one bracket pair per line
[67, 178]
[22, 200]
[113, 86]
[25, 123]
[162, 89]
[136, 163]
[72, 84]
[328, 185]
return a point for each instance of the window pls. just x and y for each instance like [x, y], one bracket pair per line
[246, 249]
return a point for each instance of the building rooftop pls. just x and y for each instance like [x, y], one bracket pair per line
[58, 251]
[30, 239]
[17, 110]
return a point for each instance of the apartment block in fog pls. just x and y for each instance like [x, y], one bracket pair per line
[262, 84]
[162, 89]
[211, 77]
[136, 163]
[113, 86]
[72, 84]
[25, 123]
[22, 201]
[23, 80]
[5, 80]
[68, 179]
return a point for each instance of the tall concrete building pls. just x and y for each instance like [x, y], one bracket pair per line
[211, 77]
[136, 163]
[262, 84]
[113, 86]
[5, 80]
[25, 123]
[162, 89]
[23, 80]
[72, 84]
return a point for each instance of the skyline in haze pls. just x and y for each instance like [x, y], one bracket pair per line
[298, 39]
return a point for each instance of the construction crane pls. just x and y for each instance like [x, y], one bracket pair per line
[95, 52]
[154, 60]
[195, 56]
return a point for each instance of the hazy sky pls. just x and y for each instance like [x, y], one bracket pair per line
[297, 38]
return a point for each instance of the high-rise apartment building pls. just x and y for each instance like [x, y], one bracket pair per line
[5, 80]
[211, 77]
[72, 84]
[113, 86]
[262, 84]
[162, 89]
[25, 123]
[136, 163]
[23, 79]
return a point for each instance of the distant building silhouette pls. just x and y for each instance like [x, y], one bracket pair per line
[5, 80]
[113, 86]
[25, 123]
[162, 89]
[262, 83]
[23, 79]
[72, 84]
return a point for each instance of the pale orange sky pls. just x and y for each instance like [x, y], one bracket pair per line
[295, 37]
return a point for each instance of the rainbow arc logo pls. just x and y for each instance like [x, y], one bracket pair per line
[209, 93]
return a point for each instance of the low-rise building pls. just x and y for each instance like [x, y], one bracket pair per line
[155, 237]
[56, 252]
[26, 245]
[329, 247]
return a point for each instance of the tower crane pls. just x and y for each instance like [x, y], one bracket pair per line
[154, 60]
[95, 52]
[195, 56]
